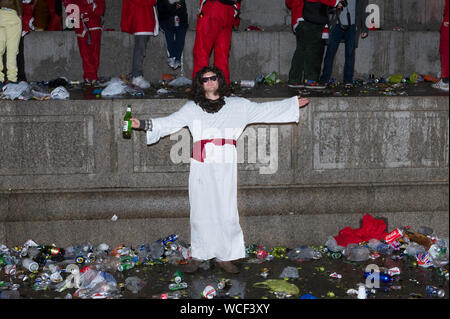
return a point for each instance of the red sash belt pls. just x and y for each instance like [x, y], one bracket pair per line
[198, 151]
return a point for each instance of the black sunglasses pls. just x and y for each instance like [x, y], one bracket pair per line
[207, 78]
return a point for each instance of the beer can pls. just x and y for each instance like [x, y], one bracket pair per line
[223, 284]
[261, 254]
[178, 277]
[209, 292]
[125, 266]
[10, 269]
[80, 260]
[393, 235]
[178, 286]
[265, 272]
[394, 271]
[185, 252]
[170, 239]
[336, 255]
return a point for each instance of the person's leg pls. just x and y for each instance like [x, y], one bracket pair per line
[96, 43]
[222, 52]
[13, 35]
[192, 265]
[297, 63]
[205, 37]
[333, 45]
[180, 36]
[139, 52]
[2, 50]
[169, 33]
[444, 49]
[349, 64]
[227, 266]
[21, 76]
[86, 59]
[312, 61]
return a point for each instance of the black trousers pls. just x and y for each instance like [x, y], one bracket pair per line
[307, 59]
[21, 62]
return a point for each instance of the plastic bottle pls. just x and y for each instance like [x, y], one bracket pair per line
[439, 253]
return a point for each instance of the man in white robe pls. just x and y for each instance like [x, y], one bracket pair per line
[215, 125]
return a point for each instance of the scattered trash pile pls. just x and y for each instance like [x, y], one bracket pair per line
[97, 272]
[107, 87]
[59, 89]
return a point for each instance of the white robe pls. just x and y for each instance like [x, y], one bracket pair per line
[214, 218]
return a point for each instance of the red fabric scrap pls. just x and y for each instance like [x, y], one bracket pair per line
[371, 229]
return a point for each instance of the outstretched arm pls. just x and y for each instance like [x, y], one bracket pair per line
[157, 128]
[284, 111]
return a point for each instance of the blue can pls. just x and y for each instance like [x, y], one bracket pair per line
[382, 277]
[170, 239]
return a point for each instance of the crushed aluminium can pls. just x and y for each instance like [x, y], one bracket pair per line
[209, 292]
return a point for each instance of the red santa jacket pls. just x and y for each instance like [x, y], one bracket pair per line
[27, 18]
[139, 17]
[91, 12]
[55, 21]
[296, 7]
[229, 12]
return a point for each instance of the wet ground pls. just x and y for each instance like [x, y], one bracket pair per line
[314, 279]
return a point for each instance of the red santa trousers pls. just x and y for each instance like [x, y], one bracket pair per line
[214, 29]
[90, 53]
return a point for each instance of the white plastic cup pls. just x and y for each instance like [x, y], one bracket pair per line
[30, 264]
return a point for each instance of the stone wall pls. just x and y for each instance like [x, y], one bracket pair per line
[53, 54]
[65, 171]
[410, 15]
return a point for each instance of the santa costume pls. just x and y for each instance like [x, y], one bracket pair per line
[215, 23]
[89, 35]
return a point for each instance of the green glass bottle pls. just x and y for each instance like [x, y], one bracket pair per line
[126, 131]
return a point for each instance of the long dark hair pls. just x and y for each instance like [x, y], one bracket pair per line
[197, 93]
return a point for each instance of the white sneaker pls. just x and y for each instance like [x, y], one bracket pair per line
[176, 65]
[440, 85]
[141, 82]
[171, 62]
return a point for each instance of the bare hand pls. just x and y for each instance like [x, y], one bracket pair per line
[363, 35]
[135, 123]
[302, 102]
[446, 24]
